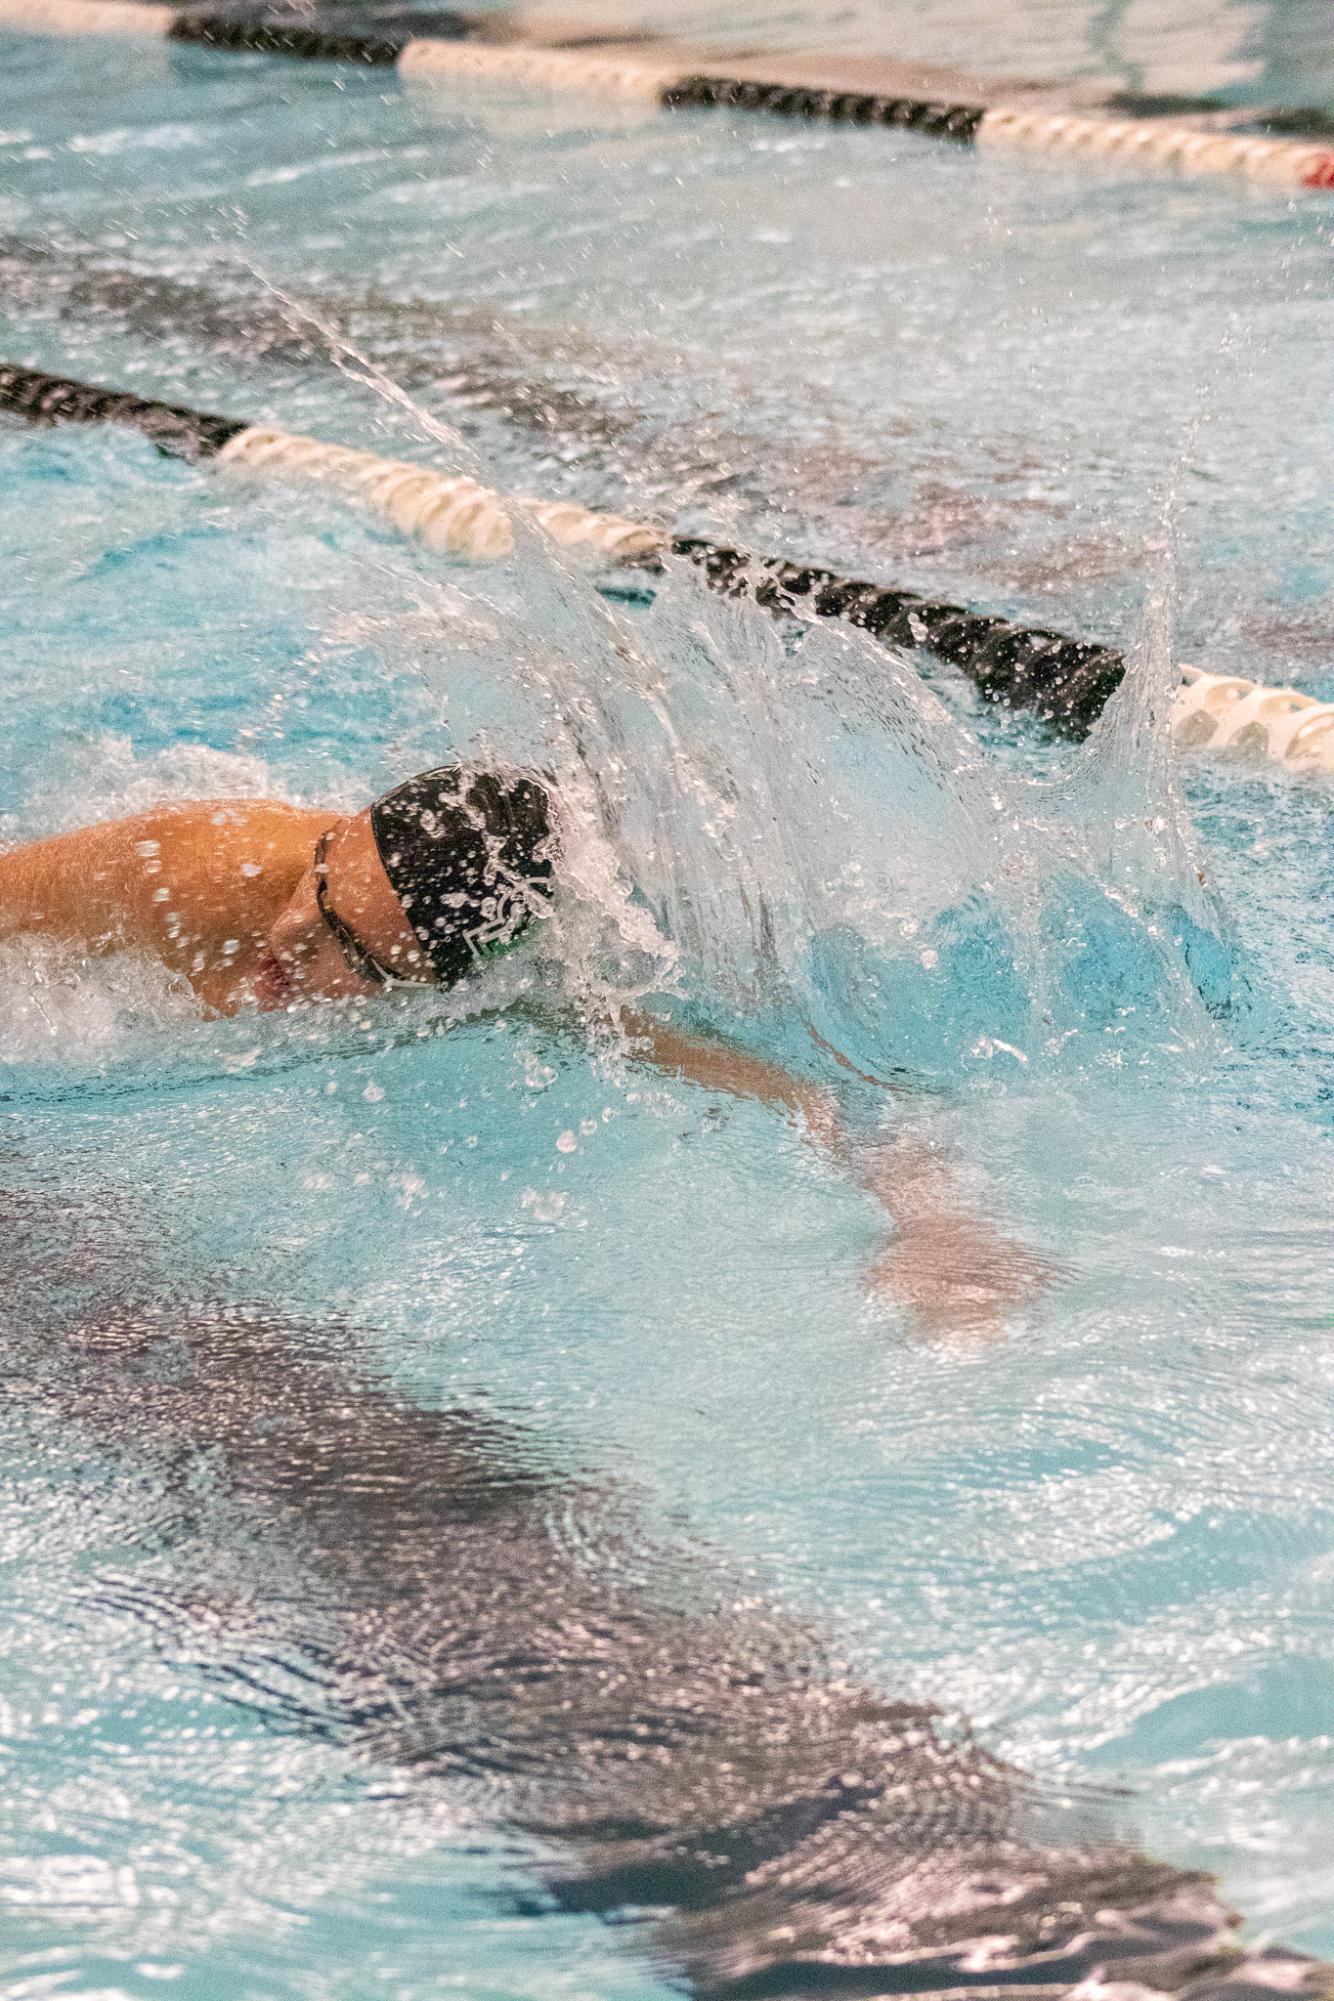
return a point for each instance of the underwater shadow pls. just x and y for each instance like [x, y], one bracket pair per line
[431, 1592]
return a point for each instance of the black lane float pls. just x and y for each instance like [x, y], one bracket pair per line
[1066, 682]
[1063, 680]
[453, 48]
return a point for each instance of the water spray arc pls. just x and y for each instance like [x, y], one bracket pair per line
[1065, 681]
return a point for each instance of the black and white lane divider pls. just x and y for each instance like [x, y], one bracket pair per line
[454, 515]
[1065, 681]
[456, 48]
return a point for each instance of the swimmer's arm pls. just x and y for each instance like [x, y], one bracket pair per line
[165, 881]
[947, 1261]
[721, 1066]
[70, 886]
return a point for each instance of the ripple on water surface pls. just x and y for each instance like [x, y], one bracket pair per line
[1104, 1538]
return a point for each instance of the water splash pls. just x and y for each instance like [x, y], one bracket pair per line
[831, 851]
[62, 1009]
[785, 828]
[1127, 827]
[570, 649]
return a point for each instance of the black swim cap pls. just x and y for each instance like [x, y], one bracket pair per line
[461, 852]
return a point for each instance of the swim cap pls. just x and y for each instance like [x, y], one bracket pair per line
[462, 855]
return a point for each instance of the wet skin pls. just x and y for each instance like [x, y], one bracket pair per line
[223, 891]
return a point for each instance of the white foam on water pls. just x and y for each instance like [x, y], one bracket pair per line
[60, 1005]
[114, 781]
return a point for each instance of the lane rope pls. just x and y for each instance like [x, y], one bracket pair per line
[453, 515]
[1065, 681]
[960, 122]
[1142, 142]
[86, 17]
[462, 48]
[431, 61]
[1224, 712]
[282, 38]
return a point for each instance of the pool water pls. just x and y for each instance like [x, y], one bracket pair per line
[1105, 1535]
[1235, 51]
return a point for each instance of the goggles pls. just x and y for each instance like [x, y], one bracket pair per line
[355, 955]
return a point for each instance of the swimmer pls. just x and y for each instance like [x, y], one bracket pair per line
[257, 904]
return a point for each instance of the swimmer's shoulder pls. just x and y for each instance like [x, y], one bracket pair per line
[105, 881]
[232, 862]
[230, 820]
[216, 836]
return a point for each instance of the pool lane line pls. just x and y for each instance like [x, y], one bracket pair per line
[463, 47]
[1066, 682]
[455, 516]
[774, 1824]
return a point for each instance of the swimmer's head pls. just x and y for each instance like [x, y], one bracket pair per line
[436, 877]
[466, 857]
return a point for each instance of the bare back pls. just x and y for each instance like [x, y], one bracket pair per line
[198, 885]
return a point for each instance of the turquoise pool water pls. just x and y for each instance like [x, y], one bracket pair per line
[1104, 1537]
